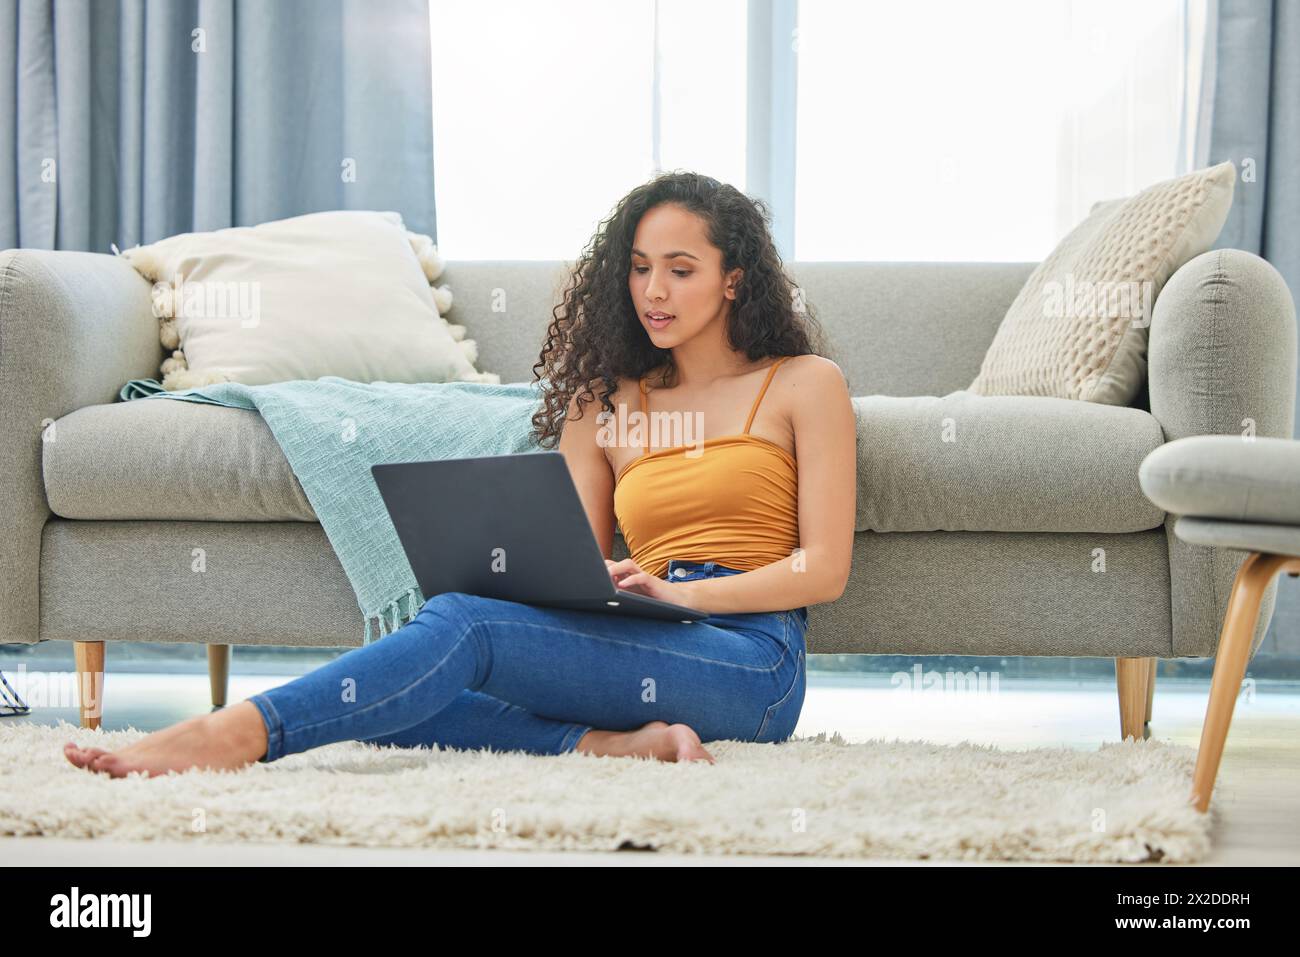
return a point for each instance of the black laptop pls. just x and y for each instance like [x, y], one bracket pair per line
[506, 526]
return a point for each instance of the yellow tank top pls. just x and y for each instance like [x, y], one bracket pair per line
[736, 503]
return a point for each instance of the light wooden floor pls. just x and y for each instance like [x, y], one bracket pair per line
[1258, 796]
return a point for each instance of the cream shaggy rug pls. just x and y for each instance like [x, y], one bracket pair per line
[818, 796]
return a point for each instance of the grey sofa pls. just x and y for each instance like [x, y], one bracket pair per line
[985, 525]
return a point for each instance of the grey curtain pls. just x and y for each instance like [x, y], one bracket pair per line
[1253, 90]
[1254, 95]
[126, 121]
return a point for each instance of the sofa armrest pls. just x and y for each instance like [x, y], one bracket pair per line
[74, 327]
[1222, 362]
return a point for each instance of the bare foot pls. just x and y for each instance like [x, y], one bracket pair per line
[224, 740]
[658, 739]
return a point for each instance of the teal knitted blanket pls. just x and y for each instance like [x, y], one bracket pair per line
[332, 430]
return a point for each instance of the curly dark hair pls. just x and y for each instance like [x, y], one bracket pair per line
[596, 337]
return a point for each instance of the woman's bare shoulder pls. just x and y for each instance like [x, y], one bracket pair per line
[587, 407]
[815, 368]
[811, 383]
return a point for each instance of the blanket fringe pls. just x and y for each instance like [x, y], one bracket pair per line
[413, 600]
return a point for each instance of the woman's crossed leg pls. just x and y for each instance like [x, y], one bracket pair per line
[481, 672]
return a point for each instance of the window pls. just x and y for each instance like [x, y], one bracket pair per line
[948, 130]
[546, 114]
[927, 130]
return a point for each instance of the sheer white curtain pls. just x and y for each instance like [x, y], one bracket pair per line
[948, 130]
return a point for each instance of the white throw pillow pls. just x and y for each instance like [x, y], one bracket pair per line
[340, 293]
[1078, 328]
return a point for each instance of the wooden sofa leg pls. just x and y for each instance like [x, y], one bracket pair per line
[219, 673]
[89, 658]
[1133, 680]
[1230, 661]
[1151, 689]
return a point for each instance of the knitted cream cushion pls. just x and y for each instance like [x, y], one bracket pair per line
[340, 293]
[1078, 328]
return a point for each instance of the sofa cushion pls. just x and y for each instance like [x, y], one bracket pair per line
[1245, 479]
[1078, 328]
[959, 462]
[164, 459]
[967, 462]
[325, 293]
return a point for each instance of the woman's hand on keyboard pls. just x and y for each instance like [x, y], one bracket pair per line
[628, 576]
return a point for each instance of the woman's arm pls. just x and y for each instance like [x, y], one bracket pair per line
[826, 432]
[590, 471]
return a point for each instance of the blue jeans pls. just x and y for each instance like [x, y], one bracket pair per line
[471, 672]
